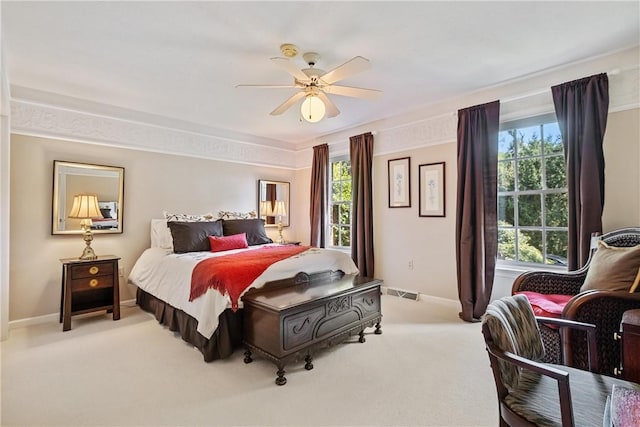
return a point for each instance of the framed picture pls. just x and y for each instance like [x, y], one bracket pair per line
[400, 183]
[431, 189]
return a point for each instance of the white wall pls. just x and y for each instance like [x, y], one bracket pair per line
[153, 182]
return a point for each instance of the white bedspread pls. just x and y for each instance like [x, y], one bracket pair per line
[167, 276]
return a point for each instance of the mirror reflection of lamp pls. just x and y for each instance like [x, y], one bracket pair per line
[85, 207]
[279, 211]
[265, 208]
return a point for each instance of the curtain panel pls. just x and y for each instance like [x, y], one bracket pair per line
[476, 210]
[319, 195]
[581, 108]
[361, 150]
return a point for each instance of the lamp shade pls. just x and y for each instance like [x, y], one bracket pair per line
[265, 208]
[85, 206]
[280, 209]
[312, 109]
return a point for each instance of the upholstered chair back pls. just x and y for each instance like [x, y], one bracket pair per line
[513, 328]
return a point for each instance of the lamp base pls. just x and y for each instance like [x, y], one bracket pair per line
[88, 253]
[280, 240]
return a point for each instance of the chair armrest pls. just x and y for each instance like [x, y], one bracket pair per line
[562, 378]
[588, 328]
[604, 309]
[549, 282]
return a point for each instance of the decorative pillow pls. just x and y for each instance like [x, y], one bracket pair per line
[236, 215]
[187, 217]
[612, 268]
[226, 243]
[160, 234]
[254, 229]
[193, 236]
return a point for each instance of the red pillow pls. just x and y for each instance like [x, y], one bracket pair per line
[546, 305]
[226, 243]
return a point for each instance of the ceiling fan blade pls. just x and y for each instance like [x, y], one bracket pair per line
[290, 68]
[330, 107]
[355, 92]
[352, 66]
[288, 103]
[269, 86]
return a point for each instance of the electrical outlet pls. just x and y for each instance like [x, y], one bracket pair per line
[410, 264]
[121, 271]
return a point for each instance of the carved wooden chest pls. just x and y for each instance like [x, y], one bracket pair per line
[286, 323]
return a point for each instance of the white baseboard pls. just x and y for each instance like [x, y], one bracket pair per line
[53, 317]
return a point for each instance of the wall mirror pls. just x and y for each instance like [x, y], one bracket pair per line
[74, 179]
[273, 202]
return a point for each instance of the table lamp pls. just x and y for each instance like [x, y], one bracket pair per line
[85, 207]
[279, 211]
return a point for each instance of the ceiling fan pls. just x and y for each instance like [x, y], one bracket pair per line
[315, 84]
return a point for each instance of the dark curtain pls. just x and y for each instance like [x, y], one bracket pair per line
[581, 108]
[476, 212]
[319, 190]
[361, 149]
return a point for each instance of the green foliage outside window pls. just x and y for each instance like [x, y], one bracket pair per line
[532, 195]
[340, 219]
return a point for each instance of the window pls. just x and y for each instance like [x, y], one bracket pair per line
[532, 192]
[340, 202]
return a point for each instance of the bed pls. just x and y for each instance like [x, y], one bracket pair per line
[162, 275]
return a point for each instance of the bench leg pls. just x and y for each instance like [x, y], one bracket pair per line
[281, 380]
[247, 356]
[378, 330]
[362, 338]
[308, 366]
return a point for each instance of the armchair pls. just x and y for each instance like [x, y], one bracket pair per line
[604, 308]
[533, 393]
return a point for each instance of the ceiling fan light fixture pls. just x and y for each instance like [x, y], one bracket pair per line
[312, 109]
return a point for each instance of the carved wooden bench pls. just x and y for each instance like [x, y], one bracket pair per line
[290, 319]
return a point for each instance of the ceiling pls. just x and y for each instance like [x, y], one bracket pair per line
[179, 62]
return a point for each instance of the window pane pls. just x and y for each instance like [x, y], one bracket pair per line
[557, 247]
[556, 207]
[530, 246]
[529, 210]
[345, 236]
[530, 174]
[556, 172]
[507, 244]
[552, 139]
[346, 171]
[345, 214]
[335, 214]
[506, 144]
[506, 176]
[505, 210]
[346, 191]
[335, 235]
[529, 143]
[335, 170]
[336, 192]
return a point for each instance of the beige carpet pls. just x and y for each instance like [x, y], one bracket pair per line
[428, 368]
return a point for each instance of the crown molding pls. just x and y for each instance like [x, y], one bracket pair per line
[49, 121]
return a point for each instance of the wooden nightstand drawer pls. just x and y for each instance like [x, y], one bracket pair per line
[88, 286]
[91, 283]
[91, 270]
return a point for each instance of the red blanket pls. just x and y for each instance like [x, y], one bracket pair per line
[232, 274]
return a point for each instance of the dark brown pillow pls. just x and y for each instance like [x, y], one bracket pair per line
[193, 236]
[254, 228]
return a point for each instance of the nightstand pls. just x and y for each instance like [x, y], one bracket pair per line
[89, 285]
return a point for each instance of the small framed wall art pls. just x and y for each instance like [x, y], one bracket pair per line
[400, 183]
[431, 189]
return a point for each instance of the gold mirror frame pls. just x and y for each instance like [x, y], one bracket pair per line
[70, 179]
[276, 191]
